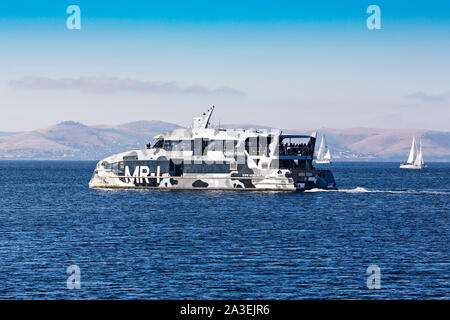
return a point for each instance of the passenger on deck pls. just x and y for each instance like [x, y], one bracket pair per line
[309, 150]
[281, 149]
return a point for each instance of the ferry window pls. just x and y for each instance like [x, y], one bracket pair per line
[107, 165]
[198, 147]
[158, 144]
[173, 145]
[181, 145]
[251, 146]
[204, 145]
[263, 145]
[167, 145]
[230, 146]
[214, 145]
[208, 145]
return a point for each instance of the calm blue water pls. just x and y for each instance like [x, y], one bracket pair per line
[225, 245]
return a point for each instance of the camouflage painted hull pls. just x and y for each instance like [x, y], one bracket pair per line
[284, 181]
[200, 183]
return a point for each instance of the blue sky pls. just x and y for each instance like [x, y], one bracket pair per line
[291, 64]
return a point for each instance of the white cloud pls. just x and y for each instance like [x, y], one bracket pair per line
[425, 97]
[104, 85]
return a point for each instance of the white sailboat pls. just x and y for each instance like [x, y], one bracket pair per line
[324, 155]
[415, 159]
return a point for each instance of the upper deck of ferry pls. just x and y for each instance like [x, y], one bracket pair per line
[294, 146]
[202, 138]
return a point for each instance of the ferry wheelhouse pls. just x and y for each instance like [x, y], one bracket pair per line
[203, 157]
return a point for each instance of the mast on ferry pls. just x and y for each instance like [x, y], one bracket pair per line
[202, 122]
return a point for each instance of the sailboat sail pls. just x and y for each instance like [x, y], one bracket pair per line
[419, 158]
[411, 153]
[320, 154]
[422, 163]
[324, 155]
[415, 159]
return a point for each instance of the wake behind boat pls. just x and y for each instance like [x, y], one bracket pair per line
[213, 158]
[415, 158]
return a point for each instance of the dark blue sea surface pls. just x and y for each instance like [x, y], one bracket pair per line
[225, 245]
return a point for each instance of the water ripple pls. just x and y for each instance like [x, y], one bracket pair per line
[224, 245]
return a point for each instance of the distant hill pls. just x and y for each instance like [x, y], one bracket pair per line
[385, 144]
[4, 134]
[76, 141]
[365, 144]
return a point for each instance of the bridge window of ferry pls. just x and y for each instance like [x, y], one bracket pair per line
[167, 145]
[181, 145]
[214, 145]
[173, 145]
[158, 144]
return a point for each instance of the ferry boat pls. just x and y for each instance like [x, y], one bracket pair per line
[203, 157]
